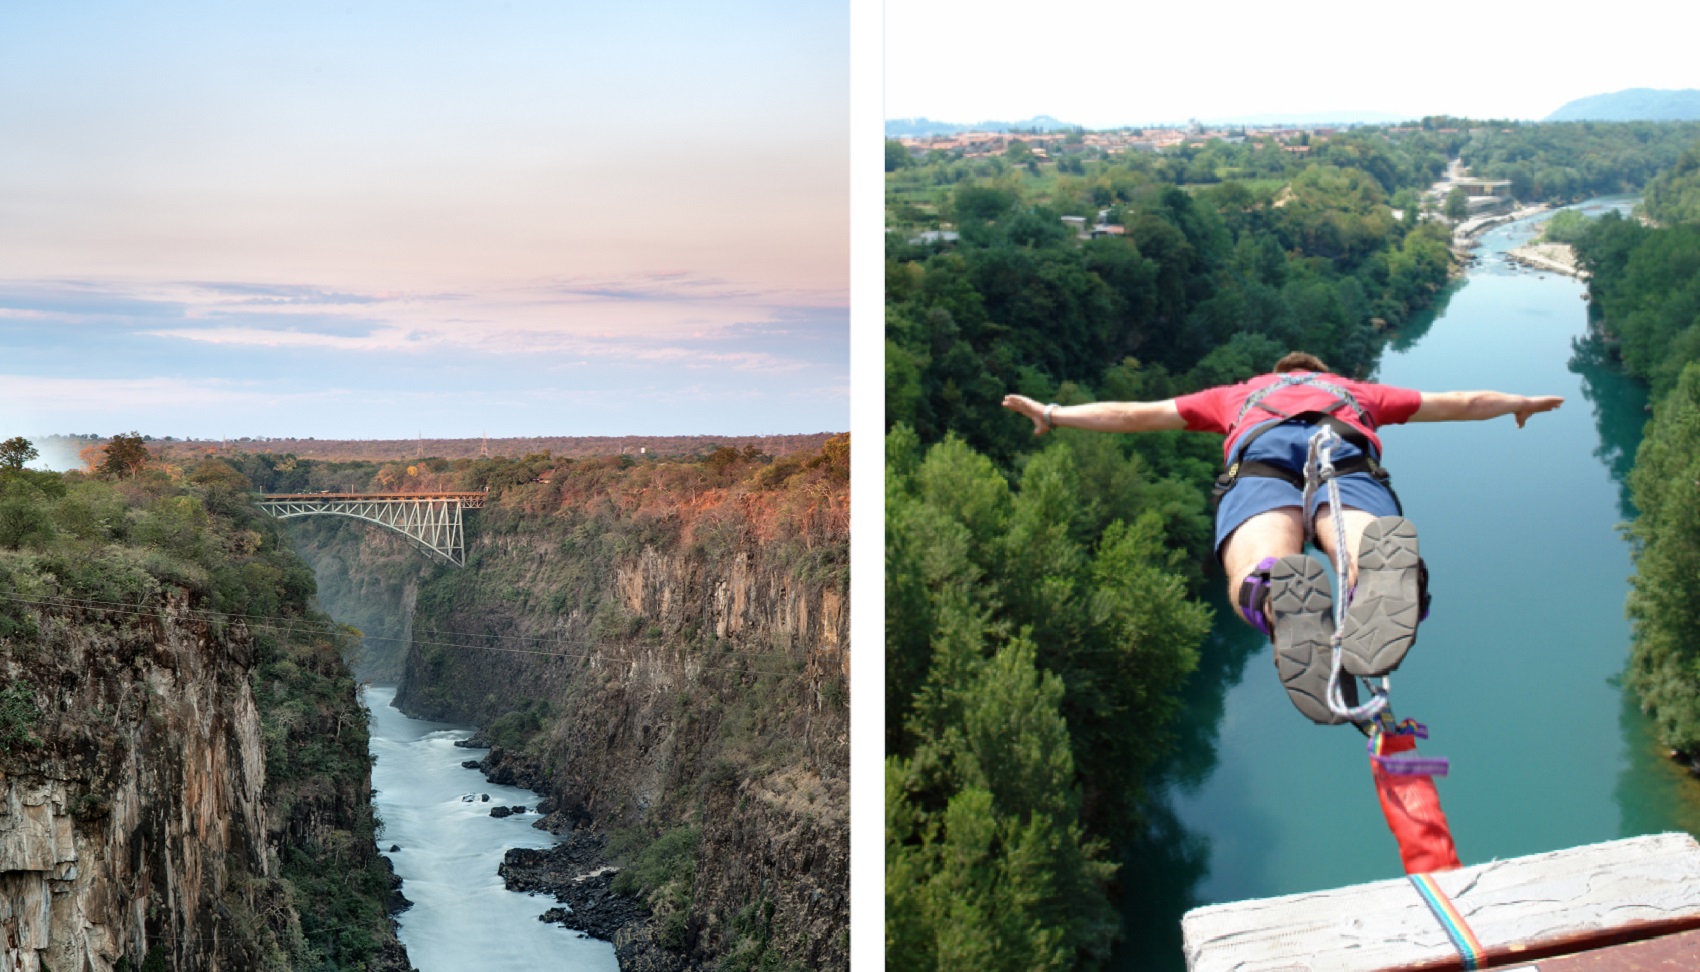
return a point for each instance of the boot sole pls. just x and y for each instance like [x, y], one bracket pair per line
[1381, 622]
[1301, 608]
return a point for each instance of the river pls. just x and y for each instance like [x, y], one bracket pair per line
[462, 917]
[1515, 672]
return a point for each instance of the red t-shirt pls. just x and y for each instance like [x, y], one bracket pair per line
[1215, 409]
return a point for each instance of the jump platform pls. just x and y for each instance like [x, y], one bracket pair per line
[1622, 905]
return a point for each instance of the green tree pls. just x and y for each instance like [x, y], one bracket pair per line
[19, 713]
[17, 452]
[23, 520]
[896, 156]
[124, 456]
[1003, 876]
[975, 202]
[1457, 204]
[1665, 600]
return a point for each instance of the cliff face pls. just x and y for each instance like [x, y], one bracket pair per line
[177, 790]
[678, 674]
[139, 822]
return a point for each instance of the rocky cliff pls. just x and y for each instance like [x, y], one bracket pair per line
[157, 809]
[138, 823]
[663, 653]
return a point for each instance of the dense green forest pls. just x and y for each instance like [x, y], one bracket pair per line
[1646, 293]
[1042, 605]
[127, 535]
[1041, 595]
[1569, 161]
[1195, 285]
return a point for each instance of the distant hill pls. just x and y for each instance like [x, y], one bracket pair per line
[921, 127]
[1635, 104]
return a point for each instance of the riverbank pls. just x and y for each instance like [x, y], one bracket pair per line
[1556, 257]
[1465, 234]
[577, 872]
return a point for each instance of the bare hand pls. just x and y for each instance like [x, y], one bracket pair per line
[1540, 403]
[1028, 407]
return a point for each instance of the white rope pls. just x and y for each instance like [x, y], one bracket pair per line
[1319, 469]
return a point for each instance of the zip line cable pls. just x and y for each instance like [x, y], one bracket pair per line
[295, 626]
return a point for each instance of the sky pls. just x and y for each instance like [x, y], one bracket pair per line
[387, 219]
[1108, 64]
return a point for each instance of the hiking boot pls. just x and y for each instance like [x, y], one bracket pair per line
[1300, 609]
[1387, 604]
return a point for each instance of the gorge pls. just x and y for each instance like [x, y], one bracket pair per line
[660, 651]
[656, 647]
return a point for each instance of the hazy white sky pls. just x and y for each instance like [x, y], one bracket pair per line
[379, 218]
[1103, 64]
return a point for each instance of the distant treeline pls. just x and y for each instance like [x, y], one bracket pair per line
[1570, 161]
[380, 450]
[1646, 292]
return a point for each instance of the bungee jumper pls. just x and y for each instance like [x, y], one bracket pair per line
[1303, 464]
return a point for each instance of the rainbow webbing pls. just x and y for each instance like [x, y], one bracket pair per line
[1463, 939]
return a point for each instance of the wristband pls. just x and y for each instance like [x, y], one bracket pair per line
[1049, 424]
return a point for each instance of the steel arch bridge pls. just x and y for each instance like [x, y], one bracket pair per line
[431, 520]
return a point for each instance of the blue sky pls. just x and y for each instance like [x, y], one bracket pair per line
[379, 220]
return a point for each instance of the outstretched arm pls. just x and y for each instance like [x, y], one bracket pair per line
[1101, 416]
[1474, 406]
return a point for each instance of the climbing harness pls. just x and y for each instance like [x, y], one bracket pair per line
[1365, 461]
[1342, 397]
[1404, 783]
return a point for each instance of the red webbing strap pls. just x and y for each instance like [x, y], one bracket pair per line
[1412, 807]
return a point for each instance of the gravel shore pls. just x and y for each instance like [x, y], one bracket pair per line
[1556, 257]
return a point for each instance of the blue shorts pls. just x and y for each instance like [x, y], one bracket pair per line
[1287, 445]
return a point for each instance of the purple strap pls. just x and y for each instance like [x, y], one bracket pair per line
[1254, 593]
[1408, 765]
[1413, 765]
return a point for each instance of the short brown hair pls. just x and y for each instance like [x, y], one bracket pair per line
[1299, 361]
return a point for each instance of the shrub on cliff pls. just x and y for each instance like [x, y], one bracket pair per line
[662, 872]
[18, 715]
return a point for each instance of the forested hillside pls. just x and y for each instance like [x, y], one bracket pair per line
[166, 690]
[1569, 161]
[1646, 290]
[1041, 595]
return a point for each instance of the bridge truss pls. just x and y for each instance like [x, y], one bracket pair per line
[431, 520]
